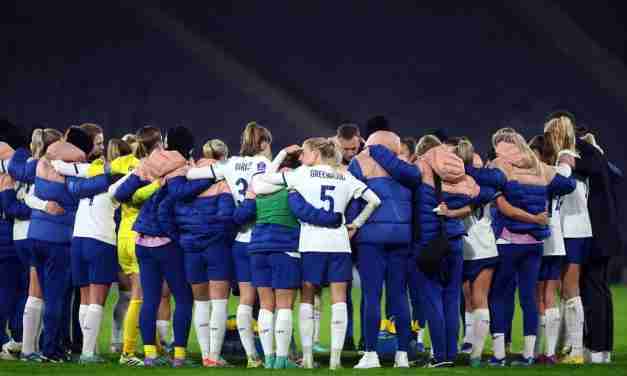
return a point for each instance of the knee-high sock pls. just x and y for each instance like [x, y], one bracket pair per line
[498, 344]
[306, 321]
[574, 324]
[217, 327]
[530, 344]
[201, 324]
[339, 322]
[468, 324]
[245, 328]
[163, 330]
[480, 329]
[82, 313]
[553, 319]
[91, 329]
[131, 326]
[283, 332]
[119, 312]
[541, 334]
[31, 322]
[317, 314]
[266, 331]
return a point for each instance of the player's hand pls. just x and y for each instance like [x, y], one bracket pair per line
[53, 208]
[442, 210]
[352, 229]
[250, 195]
[543, 218]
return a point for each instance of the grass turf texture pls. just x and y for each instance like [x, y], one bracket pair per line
[618, 367]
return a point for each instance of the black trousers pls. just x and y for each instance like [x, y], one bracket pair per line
[597, 304]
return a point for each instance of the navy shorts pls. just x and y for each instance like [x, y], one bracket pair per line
[276, 269]
[213, 264]
[93, 262]
[241, 261]
[327, 267]
[24, 249]
[551, 268]
[577, 250]
[472, 268]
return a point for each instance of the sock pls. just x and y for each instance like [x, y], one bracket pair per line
[150, 351]
[420, 335]
[339, 324]
[131, 327]
[316, 316]
[283, 332]
[530, 343]
[163, 330]
[562, 339]
[498, 345]
[540, 336]
[574, 325]
[117, 324]
[245, 328]
[82, 313]
[480, 329]
[91, 329]
[553, 319]
[306, 320]
[31, 322]
[179, 352]
[266, 331]
[201, 324]
[217, 327]
[468, 318]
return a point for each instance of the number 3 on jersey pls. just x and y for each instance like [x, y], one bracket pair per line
[242, 184]
[326, 197]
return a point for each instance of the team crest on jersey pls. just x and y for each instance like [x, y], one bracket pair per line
[261, 166]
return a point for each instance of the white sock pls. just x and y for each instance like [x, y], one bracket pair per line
[306, 321]
[316, 315]
[31, 322]
[480, 329]
[530, 344]
[82, 313]
[574, 325]
[562, 338]
[245, 328]
[468, 318]
[498, 345]
[91, 328]
[420, 335]
[163, 328]
[339, 324]
[553, 319]
[219, 315]
[283, 331]
[201, 325]
[266, 331]
[540, 336]
[119, 312]
[597, 357]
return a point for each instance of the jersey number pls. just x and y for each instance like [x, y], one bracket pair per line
[242, 184]
[325, 197]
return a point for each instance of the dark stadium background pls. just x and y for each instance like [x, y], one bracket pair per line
[303, 67]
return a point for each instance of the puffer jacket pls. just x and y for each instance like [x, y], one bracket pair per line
[420, 180]
[391, 222]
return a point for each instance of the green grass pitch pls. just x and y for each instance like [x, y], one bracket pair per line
[617, 368]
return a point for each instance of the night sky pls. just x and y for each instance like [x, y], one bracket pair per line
[309, 66]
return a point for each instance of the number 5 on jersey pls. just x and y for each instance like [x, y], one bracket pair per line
[324, 196]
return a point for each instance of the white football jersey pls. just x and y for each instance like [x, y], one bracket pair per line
[238, 173]
[95, 218]
[325, 188]
[479, 241]
[574, 212]
[20, 227]
[554, 244]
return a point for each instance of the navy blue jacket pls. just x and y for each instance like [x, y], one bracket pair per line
[7, 249]
[391, 222]
[424, 197]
